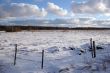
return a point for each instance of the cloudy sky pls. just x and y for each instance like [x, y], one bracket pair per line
[55, 12]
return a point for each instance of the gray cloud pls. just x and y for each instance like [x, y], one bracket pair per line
[92, 7]
[21, 10]
[61, 22]
[69, 22]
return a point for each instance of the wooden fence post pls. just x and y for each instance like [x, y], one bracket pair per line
[42, 59]
[91, 43]
[15, 54]
[94, 49]
[91, 47]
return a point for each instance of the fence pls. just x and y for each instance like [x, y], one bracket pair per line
[43, 54]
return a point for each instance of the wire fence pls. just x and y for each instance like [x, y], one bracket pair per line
[25, 55]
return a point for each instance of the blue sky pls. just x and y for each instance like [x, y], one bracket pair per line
[69, 7]
[65, 4]
[41, 3]
[55, 9]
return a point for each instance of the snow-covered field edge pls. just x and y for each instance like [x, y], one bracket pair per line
[65, 52]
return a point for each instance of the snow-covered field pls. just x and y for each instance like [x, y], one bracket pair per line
[63, 51]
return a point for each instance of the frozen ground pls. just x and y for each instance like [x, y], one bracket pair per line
[62, 52]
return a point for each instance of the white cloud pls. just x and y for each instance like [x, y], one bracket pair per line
[55, 9]
[21, 10]
[92, 7]
[107, 14]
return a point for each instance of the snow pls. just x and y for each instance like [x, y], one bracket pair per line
[65, 51]
[7, 68]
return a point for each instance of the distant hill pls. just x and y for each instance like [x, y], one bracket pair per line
[29, 28]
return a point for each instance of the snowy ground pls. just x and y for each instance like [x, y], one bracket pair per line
[62, 51]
